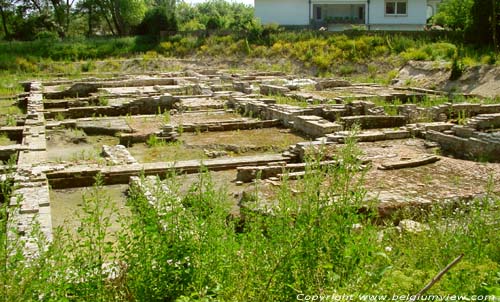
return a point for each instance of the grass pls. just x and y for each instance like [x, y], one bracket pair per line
[9, 83]
[154, 141]
[193, 250]
[326, 54]
[5, 141]
[284, 100]
[161, 151]
[197, 250]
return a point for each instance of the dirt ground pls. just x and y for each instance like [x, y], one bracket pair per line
[447, 178]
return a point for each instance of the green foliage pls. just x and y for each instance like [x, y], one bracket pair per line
[214, 15]
[325, 53]
[154, 141]
[186, 246]
[48, 36]
[155, 20]
[132, 11]
[454, 14]
[485, 23]
[457, 68]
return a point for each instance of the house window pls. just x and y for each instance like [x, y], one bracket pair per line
[318, 13]
[396, 8]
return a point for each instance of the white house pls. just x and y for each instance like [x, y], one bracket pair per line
[342, 14]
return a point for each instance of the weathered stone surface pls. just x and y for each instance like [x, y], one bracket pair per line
[369, 136]
[30, 201]
[103, 126]
[485, 121]
[118, 155]
[411, 226]
[315, 126]
[76, 176]
[248, 174]
[273, 90]
[373, 121]
[402, 164]
[7, 151]
[322, 85]
[158, 195]
[83, 89]
[484, 146]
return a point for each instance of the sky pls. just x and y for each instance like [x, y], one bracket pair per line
[249, 2]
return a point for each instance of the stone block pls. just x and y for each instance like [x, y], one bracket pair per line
[273, 90]
[332, 83]
[315, 126]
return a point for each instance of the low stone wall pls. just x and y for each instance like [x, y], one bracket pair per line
[373, 121]
[248, 174]
[159, 196]
[331, 83]
[485, 121]
[371, 136]
[230, 125]
[315, 126]
[84, 89]
[7, 152]
[484, 147]
[118, 155]
[14, 133]
[29, 209]
[69, 103]
[149, 105]
[83, 176]
[273, 90]
[103, 126]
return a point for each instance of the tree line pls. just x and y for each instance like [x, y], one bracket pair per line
[479, 20]
[31, 19]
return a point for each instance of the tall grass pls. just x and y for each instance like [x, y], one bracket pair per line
[326, 52]
[314, 240]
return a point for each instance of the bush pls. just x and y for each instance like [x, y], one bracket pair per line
[49, 36]
[457, 68]
[415, 54]
[346, 70]
[24, 65]
[157, 19]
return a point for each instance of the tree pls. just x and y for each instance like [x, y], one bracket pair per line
[62, 12]
[484, 27]
[454, 14]
[123, 13]
[4, 6]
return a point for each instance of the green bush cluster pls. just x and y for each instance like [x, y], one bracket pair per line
[431, 52]
[325, 52]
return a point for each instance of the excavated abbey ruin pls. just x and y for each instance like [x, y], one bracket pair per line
[419, 155]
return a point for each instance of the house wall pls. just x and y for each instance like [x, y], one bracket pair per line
[296, 12]
[340, 10]
[417, 14]
[284, 12]
[432, 7]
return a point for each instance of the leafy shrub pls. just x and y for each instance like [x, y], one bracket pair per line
[398, 44]
[24, 65]
[346, 70]
[441, 50]
[415, 54]
[457, 68]
[488, 59]
[49, 36]
[157, 19]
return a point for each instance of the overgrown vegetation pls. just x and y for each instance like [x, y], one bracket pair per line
[314, 242]
[51, 20]
[323, 54]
